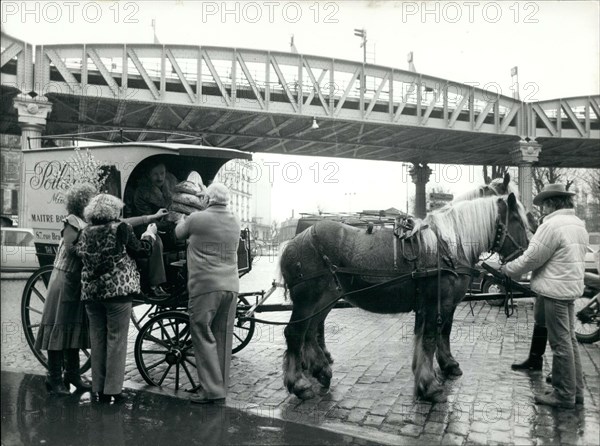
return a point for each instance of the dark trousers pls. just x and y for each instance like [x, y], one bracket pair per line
[109, 327]
[153, 268]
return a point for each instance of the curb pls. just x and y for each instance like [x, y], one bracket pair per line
[362, 432]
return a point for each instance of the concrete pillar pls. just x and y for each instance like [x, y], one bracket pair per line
[420, 176]
[526, 153]
[32, 116]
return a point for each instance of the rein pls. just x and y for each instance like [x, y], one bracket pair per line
[500, 236]
[417, 274]
[499, 239]
[334, 270]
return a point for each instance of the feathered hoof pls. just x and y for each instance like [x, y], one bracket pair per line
[433, 393]
[303, 390]
[305, 394]
[453, 371]
[439, 398]
[328, 357]
[436, 396]
[324, 377]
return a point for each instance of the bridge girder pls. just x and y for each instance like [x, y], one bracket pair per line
[265, 101]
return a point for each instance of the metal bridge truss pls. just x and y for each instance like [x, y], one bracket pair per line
[266, 101]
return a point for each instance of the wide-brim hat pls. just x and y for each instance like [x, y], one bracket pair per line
[551, 190]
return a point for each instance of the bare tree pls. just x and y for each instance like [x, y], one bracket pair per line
[589, 182]
[551, 175]
[496, 172]
[591, 178]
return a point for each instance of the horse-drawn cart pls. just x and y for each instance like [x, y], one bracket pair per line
[163, 350]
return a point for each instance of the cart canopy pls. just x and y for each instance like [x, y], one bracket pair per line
[49, 172]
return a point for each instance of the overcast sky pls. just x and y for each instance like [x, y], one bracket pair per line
[554, 44]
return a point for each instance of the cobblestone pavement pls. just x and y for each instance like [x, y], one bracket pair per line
[371, 394]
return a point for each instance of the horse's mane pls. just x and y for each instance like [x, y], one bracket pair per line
[496, 186]
[468, 227]
[470, 195]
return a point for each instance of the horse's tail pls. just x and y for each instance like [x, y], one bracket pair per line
[280, 278]
[293, 259]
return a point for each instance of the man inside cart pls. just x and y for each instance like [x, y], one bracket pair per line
[154, 194]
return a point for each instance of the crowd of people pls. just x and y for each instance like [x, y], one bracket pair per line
[96, 277]
[98, 271]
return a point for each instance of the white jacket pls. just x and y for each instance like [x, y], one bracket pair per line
[556, 256]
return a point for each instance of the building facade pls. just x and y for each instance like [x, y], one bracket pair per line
[250, 197]
[10, 188]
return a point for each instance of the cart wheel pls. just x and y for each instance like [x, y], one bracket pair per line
[587, 328]
[32, 307]
[242, 329]
[493, 287]
[164, 354]
[141, 313]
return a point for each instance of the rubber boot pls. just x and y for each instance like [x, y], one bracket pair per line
[72, 375]
[54, 379]
[535, 362]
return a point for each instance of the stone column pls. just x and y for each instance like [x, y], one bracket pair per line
[420, 176]
[32, 116]
[526, 153]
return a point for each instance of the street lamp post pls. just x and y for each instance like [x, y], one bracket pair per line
[362, 33]
[514, 74]
[405, 168]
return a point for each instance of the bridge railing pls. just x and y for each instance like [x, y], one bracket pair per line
[273, 82]
[16, 63]
[570, 117]
[285, 83]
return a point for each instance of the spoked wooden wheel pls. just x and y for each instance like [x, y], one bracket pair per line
[587, 327]
[164, 353]
[148, 307]
[141, 313]
[32, 307]
[243, 329]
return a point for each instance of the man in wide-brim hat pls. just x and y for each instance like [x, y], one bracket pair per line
[552, 190]
[555, 256]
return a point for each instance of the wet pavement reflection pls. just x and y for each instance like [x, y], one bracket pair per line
[31, 417]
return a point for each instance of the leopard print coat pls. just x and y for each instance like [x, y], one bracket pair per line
[109, 270]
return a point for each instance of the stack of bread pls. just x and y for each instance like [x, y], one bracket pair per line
[188, 197]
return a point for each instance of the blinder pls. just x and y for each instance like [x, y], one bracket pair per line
[500, 238]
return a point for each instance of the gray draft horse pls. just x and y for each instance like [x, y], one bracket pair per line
[450, 242]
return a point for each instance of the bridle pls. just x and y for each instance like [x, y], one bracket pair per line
[500, 238]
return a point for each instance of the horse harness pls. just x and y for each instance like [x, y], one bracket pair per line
[405, 231]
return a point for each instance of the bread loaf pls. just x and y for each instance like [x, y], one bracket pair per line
[187, 187]
[190, 200]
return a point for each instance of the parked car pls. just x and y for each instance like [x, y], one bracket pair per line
[591, 260]
[18, 250]
[595, 241]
